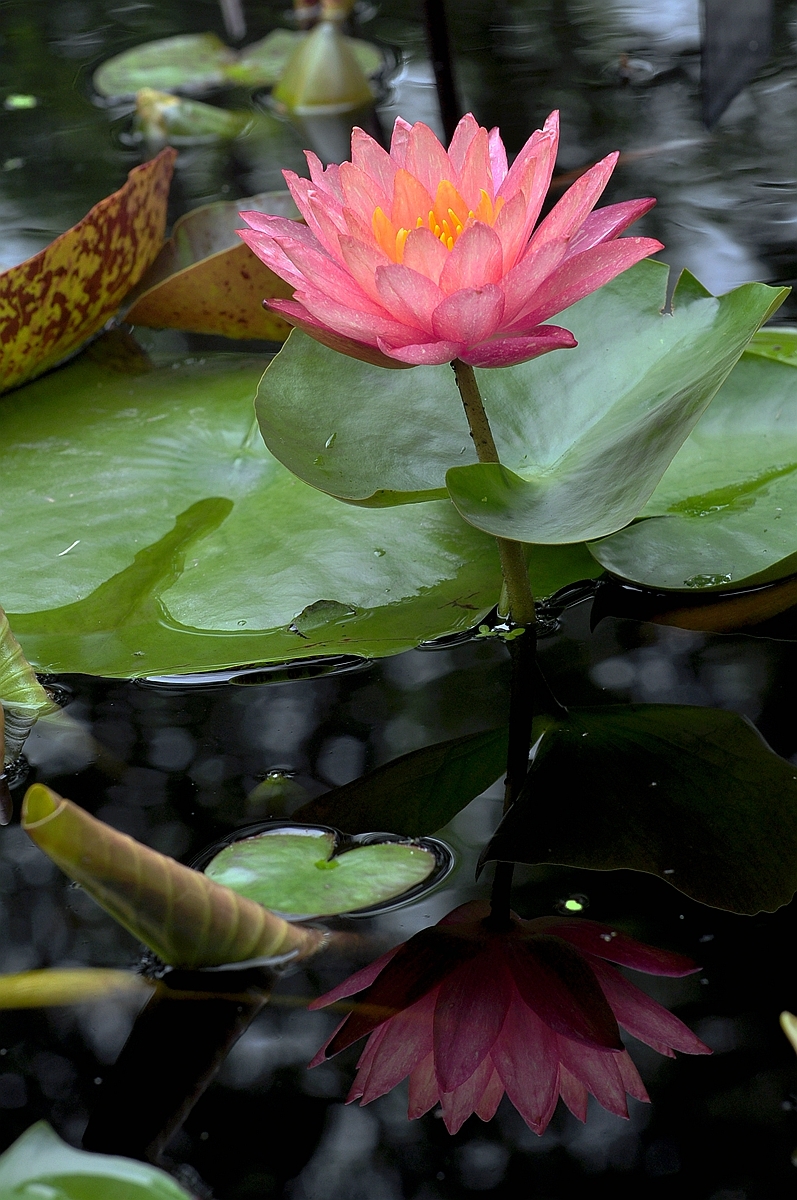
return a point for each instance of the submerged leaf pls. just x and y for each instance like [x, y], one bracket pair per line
[417, 793]
[39, 1164]
[54, 302]
[722, 514]
[75, 985]
[693, 795]
[207, 281]
[296, 871]
[186, 918]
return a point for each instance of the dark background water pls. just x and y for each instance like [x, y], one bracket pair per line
[174, 765]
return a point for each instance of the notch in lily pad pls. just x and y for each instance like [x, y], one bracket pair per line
[305, 871]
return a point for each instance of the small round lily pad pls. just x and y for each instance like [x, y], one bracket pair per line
[296, 870]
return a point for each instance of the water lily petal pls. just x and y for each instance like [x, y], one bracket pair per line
[410, 200]
[510, 229]
[326, 179]
[531, 171]
[361, 192]
[525, 1058]
[355, 983]
[616, 946]
[471, 1006]
[297, 315]
[607, 223]
[352, 322]
[272, 254]
[491, 1097]
[316, 268]
[465, 132]
[574, 1094]
[598, 1072]
[372, 159]
[525, 279]
[364, 1063]
[409, 296]
[400, 141]
[417, 967]
[427, 354]
[557, 983]
[570, 212]
[477, 259]
[498, 163]
[363, 258]
[406, 1043]
[476, 173]
[423, 1089]
[471, 315]
[643, 1017]
[630, 1077]
[507, 352]
[462, 1102]
[585, 273]
[426, 158]
[425, 253]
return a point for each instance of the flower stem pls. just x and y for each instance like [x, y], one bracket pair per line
[522, 649]
[513, 558]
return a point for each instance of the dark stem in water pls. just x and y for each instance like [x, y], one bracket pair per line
[440, 50]
[522, 649]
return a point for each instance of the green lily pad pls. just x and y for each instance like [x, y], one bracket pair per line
[584, 434]
[191, 62]
[145, 529]
[297, 872]
[723, 514]
[693, 795]
[194, 63]
[40, 1165]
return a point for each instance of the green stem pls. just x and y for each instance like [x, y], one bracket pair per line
[522, 650]
[513, 558]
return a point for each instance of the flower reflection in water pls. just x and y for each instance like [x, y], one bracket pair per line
[469, 1012]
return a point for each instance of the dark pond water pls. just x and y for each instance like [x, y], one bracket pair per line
[174, 765]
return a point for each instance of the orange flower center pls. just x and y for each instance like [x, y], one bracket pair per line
[446, 219]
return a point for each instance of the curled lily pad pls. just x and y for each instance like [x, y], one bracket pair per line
[54, 302]
[312, 870]
[171, 120]
[200, 62]
[40, 1165]
[207, 281]
[722, 514]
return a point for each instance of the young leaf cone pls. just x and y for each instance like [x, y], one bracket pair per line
[186, 918]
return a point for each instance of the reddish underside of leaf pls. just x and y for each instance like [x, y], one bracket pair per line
[222, 294]
[55, 301]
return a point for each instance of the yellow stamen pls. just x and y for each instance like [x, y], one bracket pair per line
[447, 228]
[401, 238]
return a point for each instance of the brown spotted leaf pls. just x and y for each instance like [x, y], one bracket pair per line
[206, 280]
[55, 301]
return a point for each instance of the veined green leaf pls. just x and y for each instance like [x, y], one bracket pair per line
[583, 434]
[723, 514]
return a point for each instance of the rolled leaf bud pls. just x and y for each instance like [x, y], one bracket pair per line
[322, 75]
[186, 918]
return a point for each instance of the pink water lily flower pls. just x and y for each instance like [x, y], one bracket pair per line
[469, 1013]
[423, 255]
